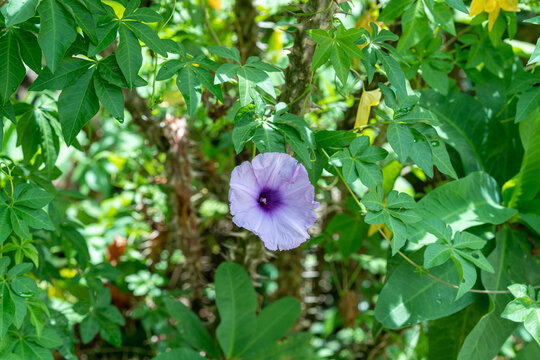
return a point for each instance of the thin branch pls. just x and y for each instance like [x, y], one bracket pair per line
[207, 22]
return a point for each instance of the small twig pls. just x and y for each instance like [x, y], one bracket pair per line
[207, 22]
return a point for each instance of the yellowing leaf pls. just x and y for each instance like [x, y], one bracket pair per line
[118, 8]
[367, 100]
[275, 44]
[493, 8]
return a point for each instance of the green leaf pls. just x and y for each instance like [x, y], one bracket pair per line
[297, 346]
[89, 328]
[24, 286]
[527, 103]
[415, 26]
[272, 324]
[334, 139]
[12, 69]
[511, 266]
[458, 5]
[111, 97]
[145, 15]
[441, 159]
[29, 350]
[436, 254]
[128, 54]
[169, 68]
[393, 9]
[77, 104]
[56, 32]
[268, 140]
[532, 324]
[106, 34]
[19, 226]
[190, 87]
[69, 69]
[394, 73]
[110, 332]
[20, 310]
[297, 144]
[322, 54]
[5, 223]
[29, 48]
[369, 174]
[244, 127]
[148, 36]
[49, 339]
[226, 53]
[35, 218]
[33, 197]
[467, 275]
[535, 56]
[7, 309]
[179, 354]
[236, 302]
[341, 63]
[207, 81]
[190, 327]
[446, 335]
[401, 140]
[226, 72]
[445, 17]
[434, 78]
[463, 203]
[421, 153]
[16, 12]
[83, 17]
[49, 143]
[19, 269]
[408, 297]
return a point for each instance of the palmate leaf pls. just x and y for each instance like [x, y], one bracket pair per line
[111, 97]
[105, 35]
[16, 12]
[7, 309]
[56, 33]
[148, 36]
[415, 26]
[12, 69]
[266, 139]
[401, 140]
[67, 71]
[83, 17]
[29, 48]
[244, 127]
[34, 218]
[49, 142]
[77, 104]
[190, 87]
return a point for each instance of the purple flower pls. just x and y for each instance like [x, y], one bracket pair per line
[272, 197]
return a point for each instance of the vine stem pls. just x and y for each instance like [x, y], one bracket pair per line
[405, 257]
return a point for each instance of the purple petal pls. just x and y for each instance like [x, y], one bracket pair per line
[244, 190]
[272, 169]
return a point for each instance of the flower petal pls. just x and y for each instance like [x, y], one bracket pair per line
[271, 169]
[244, 190]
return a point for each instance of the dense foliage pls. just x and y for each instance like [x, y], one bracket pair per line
[418, 122]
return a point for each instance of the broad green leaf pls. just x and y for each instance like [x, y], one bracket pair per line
[527, 184]
[369, 174]
[128, 54]
[527, 103]
[226, 72]
[297, 346]
[29, 350]
[444, 17]
[179, 354]
[110, 332]
[467, 275]
[272, 324]
[351, 231]
[535, 56]
[207, 81]
[83, 17]
[341, 63]
[446, 335]
[322, 54]
[334, 139]
[393, 9]
[373, 154]
[434, 78]
[5, 223]
[148, 36]
[89, 328]
[29, 48]
[236, 302]
[190, 87]
[49, 339]
[77, 104]
[20, 309]
[441, 159]
[12, 69]
[49, 143]
[415, 26]
[532, 324]
[19, 269]
[145, 15]
[300, 125]
[33, 197]
[69, 69]
[245, 87]
[297, 144]
[190, 327]
[244, 127]
[169, 68]
[511, 266]
[463, 203]
[110, 71]
[56, 33]
[105, 36]
[436, 254]
[421, 153]
[409, 297]
[458, 5]
[34, 218]
[401, 140]
[111, 97]
[16, 12]
[394, 73]
[7, 309]
[226, 53]
[268, 140]
[24, 286]
[319, 36]
[18, 225]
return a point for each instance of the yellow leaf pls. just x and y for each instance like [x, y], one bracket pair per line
[216, 4]
[118, 8]
[367, 100]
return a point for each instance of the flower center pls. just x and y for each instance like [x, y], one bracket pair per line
[269, 199]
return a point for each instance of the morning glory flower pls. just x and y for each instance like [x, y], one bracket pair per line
[272, 197]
